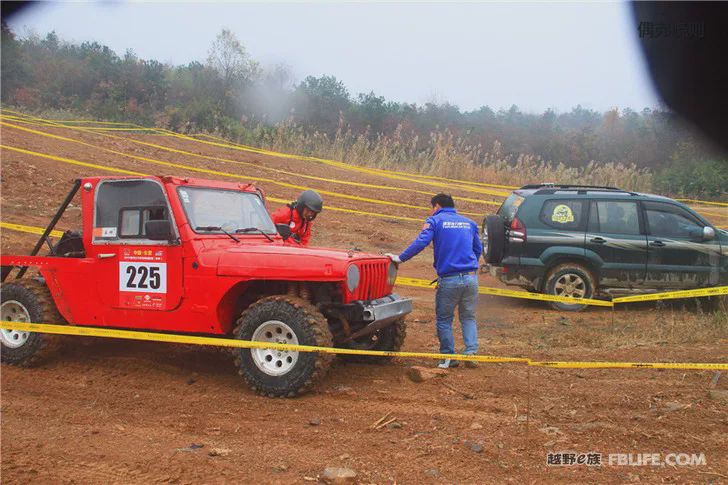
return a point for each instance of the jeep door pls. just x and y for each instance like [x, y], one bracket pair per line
[615, 239]
[136, 277]
[678, 255]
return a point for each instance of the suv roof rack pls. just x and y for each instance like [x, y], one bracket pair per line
[570, 186]
[580, 188]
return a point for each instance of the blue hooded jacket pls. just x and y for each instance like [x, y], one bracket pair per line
[457, 243]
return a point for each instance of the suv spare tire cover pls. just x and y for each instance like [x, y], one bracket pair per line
[496, 242]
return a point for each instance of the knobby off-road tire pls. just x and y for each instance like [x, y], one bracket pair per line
[493, 237]
[569, 279]
[27, 301]
[390, 338]
[282, 319]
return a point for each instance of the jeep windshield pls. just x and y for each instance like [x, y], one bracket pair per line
[218, 210]
[510, 206]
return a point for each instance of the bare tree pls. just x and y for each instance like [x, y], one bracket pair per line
[229, 58]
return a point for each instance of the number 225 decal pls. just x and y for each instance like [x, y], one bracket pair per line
[143, 277]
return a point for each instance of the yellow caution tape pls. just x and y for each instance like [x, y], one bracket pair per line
[694, 201]
[385, 173]
[670, 295]
[90, 128]
[70, 160]
[128, 172]
[484, 290]
[224, 174]
[631, 365]
[190, 168]
[258, 166]
[115, 123]
[342, 165]
[229, 144]
[84, 331]
[420, 283]
[28, 229]
[380, 171]
[229, 342]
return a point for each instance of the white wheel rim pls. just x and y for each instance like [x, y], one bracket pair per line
[274, 362]
[14, 311]
[571, 285]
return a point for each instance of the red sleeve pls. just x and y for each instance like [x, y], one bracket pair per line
[281, 215]
[306, 236]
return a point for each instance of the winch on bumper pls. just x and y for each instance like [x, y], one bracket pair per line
[360, 318]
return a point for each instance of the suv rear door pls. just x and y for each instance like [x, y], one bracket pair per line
[678, 257]
[614, 235]
[560, 231]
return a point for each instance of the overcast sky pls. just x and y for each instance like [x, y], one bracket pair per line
[536, 56]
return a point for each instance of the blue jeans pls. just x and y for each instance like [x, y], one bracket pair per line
[459, 291]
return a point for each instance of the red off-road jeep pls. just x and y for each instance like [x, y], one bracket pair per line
[198, 256]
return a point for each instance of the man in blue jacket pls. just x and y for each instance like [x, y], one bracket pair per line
[457, 250]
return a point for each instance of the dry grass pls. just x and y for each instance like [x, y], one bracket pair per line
[445, 155]
[673, 322]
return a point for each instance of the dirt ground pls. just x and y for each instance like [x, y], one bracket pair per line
[106, 411]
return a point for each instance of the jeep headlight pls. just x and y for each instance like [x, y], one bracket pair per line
[352, 278]
[391, 274]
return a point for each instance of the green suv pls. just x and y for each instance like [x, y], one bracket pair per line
[592, 242]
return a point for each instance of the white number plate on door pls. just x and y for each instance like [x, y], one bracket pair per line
[143, 277]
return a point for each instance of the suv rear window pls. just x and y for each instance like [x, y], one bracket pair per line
[508, 209]
[565, 214]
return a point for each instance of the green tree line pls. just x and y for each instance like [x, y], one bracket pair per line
[230, 94]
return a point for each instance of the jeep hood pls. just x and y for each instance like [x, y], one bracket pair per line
[288, 262]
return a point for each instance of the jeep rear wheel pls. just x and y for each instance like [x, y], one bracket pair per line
[285, 320]
[570, 280]
[390, 339]
[27, 301]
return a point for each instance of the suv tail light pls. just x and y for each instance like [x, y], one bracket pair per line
[517, 231]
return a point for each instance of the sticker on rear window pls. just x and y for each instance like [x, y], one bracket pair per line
[562, 214]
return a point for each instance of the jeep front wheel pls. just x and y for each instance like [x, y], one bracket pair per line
[27, 301]
[571, 280]
[284, 320]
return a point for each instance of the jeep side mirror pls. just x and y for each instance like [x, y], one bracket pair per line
[708, 233]
[158, 230]
[284, 230]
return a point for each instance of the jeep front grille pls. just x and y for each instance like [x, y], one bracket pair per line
[373, 280]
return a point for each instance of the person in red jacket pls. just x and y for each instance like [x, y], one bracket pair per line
[299, 215]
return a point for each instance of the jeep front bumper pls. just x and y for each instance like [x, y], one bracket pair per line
[366, 317]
